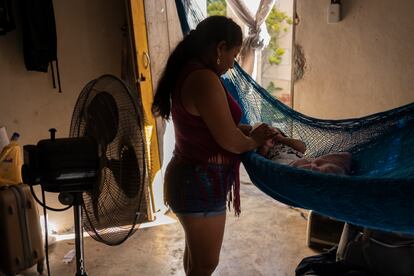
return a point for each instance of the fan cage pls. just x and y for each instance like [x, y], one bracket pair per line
[118, 200]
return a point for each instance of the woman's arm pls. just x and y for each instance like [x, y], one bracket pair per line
[245, 129]
[203, 95]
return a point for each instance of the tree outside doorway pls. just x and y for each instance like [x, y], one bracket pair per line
[276, 58]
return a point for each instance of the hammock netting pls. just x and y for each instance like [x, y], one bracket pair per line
[379, 193]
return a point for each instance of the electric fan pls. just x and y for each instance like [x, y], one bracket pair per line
[100, 169]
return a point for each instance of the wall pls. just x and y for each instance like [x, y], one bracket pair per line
[89, 45]
[361, 65]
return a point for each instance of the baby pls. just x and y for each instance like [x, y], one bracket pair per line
[289, 151]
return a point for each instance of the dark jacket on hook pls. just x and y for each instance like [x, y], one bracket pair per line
[39, 34]
[6, 17]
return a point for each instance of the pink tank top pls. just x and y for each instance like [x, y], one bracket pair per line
[193, 141]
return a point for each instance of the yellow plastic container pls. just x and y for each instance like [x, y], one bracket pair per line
[11, 164]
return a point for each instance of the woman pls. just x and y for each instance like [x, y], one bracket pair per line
[203, 173]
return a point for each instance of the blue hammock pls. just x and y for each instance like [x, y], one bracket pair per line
[380, 192]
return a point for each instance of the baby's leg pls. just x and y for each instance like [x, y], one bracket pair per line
[303, 163]
[330, 168]
[342, 160]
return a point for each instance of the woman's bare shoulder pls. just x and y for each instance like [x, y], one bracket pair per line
[202, 75]
[202, 79]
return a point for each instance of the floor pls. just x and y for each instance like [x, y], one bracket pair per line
[269, 238]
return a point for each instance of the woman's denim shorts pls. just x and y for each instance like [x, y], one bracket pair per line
[196, 190]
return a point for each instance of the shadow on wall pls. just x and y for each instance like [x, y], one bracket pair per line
[347, 9]
[299, 63]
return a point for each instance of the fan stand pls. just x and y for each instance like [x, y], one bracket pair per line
[75, 199]
[80, 263]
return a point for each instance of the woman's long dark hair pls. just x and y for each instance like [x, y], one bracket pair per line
[210, 31]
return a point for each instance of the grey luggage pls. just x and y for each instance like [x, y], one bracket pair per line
[381, 253]
[21, 239]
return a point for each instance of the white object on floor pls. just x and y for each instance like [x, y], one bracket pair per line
[69, 256]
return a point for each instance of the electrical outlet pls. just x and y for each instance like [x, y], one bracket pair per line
[334, 13]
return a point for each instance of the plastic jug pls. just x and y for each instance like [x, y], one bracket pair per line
[11, 162]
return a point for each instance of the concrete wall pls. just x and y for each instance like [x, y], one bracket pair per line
[361, 65]
[89, 45]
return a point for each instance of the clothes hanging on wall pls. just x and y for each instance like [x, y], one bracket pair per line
[6, 17]
[39, 36]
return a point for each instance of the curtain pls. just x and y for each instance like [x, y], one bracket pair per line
[258, 37]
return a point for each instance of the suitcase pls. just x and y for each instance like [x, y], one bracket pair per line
[20, 233]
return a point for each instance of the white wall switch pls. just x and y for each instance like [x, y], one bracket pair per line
[334, 13]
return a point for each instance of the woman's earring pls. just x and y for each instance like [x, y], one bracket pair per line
[218, 60]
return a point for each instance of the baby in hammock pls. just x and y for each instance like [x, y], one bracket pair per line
[289, 151]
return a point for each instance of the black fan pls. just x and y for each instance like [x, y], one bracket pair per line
[100, 170]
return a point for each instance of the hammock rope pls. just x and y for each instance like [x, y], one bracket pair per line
[380, 192]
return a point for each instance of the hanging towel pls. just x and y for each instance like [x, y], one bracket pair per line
[6, 17]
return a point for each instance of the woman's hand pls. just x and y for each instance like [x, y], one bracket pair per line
[262, 133]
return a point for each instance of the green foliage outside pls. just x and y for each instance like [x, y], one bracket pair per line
[216, 7]
[272, 88]
[277, 24]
